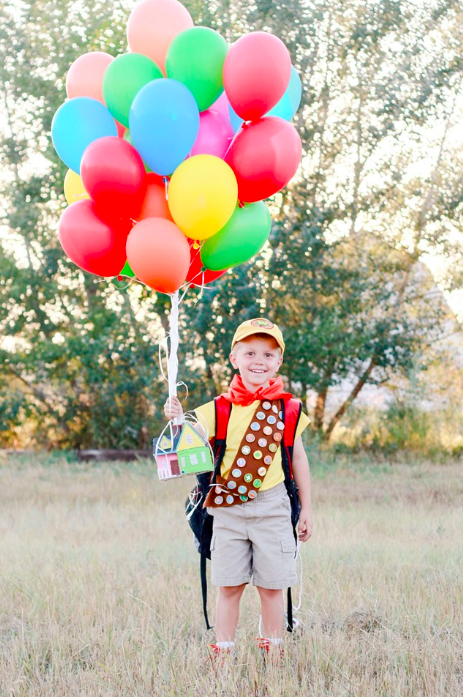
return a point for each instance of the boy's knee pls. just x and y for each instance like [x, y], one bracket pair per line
[269, 592]
[232, 591]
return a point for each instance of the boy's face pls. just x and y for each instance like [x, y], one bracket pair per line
[257, 359]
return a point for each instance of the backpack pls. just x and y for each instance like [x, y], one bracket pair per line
[201, 523]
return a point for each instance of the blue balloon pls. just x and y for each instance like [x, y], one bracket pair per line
[235, 120]
[164, 123]
[289, 103]
[76, 124]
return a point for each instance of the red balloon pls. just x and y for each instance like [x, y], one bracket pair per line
[256, 74]
[90, 241]
[155, 203]
[198, 275]
[264, 157]
[120, 130]
[158, 254]
[114, 176]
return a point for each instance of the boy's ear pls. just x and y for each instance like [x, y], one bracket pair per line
[233, 360]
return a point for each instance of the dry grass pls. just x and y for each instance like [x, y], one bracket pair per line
[99, 587]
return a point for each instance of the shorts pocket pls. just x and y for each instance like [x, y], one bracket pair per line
[288, 558]
[288, 546]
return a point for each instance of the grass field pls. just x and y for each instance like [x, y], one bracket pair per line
[99, 586]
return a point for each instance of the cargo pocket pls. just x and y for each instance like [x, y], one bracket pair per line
[288, 553]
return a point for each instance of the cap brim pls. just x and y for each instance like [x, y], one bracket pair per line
[260, 330]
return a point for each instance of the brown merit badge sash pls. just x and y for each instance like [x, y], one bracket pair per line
[255, 455]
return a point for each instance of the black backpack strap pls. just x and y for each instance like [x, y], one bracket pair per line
[289, 611]
[222, 416]
[291, 416]
[202, 571]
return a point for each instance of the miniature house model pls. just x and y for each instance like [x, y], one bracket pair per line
[182, 452]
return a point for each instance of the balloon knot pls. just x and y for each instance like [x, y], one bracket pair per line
[196, 244]
[240, 204]
[119, 278]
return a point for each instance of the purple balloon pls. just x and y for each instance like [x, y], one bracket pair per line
[215, 135]
[221, 105]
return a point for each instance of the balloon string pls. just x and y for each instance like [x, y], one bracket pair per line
[166, 186]
[170, 347]
[172, 358]
[241, 128]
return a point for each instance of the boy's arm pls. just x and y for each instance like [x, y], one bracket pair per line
[301, 473]
[173, 410]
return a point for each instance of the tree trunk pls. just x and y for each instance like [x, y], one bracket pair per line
[342, 409]
[319, 412]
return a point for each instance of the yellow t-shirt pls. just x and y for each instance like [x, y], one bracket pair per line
[240, 418]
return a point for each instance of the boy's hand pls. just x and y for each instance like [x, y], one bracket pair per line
[173, 408]
[305, 525]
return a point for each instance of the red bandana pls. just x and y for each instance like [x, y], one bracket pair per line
[238, 394]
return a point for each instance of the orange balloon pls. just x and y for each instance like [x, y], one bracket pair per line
[158, 254]
[85, 76]
[155, 203]
[153, 24]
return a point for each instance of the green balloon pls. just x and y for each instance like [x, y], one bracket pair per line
[243, 236]
[123, 79]
[127, 271]
[195, 58]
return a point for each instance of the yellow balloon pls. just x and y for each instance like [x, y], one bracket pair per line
[202, 193]
[73, 187]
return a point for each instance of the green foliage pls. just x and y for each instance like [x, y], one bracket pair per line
[379, 187]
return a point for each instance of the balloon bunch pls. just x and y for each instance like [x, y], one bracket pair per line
[172, 148]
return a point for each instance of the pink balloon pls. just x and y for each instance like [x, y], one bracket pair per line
[256, 73]
[91, 240]
[264, 157]
[214, 136]
[221, 105]
[153, 24]
[85, 76]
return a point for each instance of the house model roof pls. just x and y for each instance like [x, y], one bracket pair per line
[184, 438]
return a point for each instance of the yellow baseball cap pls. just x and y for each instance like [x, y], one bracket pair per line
[258, 326]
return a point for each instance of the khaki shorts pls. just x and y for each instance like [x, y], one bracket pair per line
[255, 539]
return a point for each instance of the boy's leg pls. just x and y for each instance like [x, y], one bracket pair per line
[227, 611]
[273, 612]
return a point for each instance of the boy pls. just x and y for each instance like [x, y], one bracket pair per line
[252, 533]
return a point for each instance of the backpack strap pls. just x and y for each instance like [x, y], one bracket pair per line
[291, 415]
[222, 416]
[218, 443]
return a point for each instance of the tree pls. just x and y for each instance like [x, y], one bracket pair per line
[378, 190]
[344, 275]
